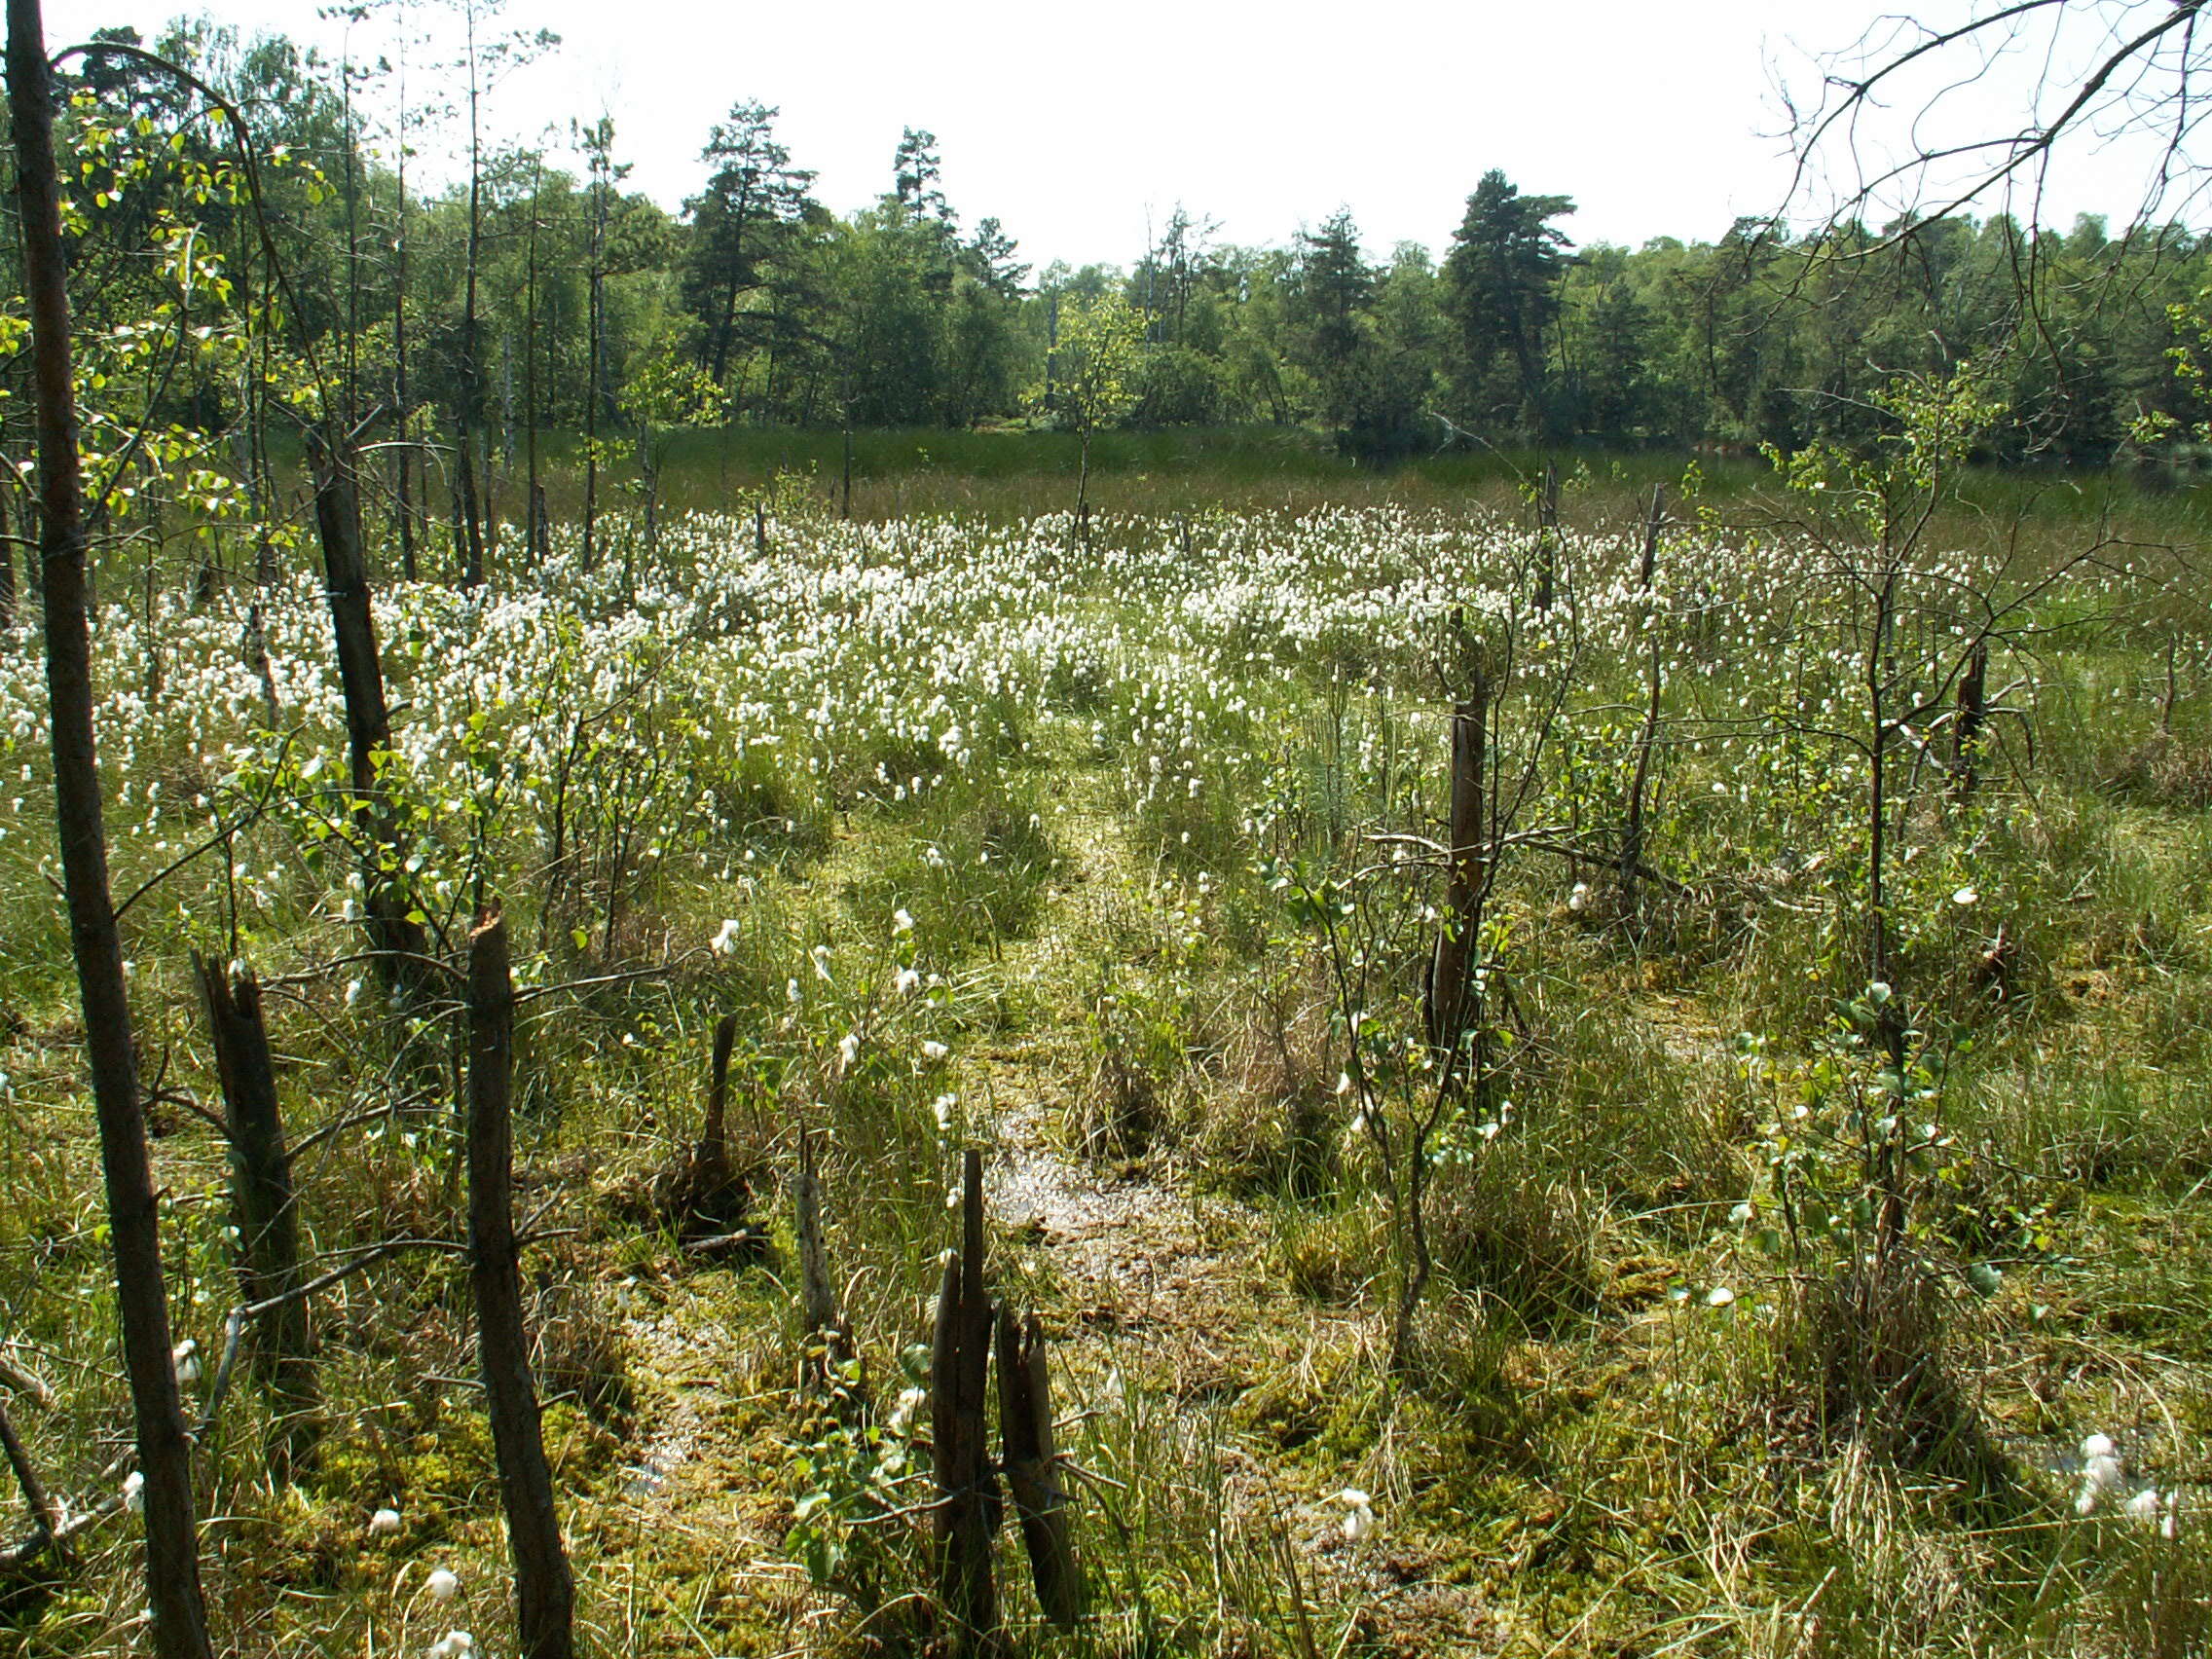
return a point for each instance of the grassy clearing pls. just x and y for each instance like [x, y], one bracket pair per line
[1013, 837]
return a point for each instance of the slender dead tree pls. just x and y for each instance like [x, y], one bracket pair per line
[265, 1209]
[179, 1626]
[400, 941]
[545, 1591]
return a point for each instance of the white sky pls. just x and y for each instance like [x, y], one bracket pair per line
[1073, 123]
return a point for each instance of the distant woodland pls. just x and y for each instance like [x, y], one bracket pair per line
[537, 291]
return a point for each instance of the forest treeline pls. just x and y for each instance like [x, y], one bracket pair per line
[536, 290]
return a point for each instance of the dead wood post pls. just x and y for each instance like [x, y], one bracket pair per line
[545, 1593]
[1547, 536]
[760, 529]
[829, 1334]
[179, 1627]
[1032, 1466]
[540, 523]
[1632, 827]
[468, 528]
[399, 942]
[1450, 984]
[1973, 717]
[713, 1154]
[968, 1496]
[1654, 522]
[265, 1209]
[8, 559]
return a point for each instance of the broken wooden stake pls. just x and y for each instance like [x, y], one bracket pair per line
[1973, 717]
[1033, 1470]
[265, 1209]
[829, 1336]
[968, 1496]
[1450, 983]
[1547, 537]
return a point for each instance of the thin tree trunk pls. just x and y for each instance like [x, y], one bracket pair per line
[399, 942]
[403, 497]
[1452, 1001]
[468, 529]
[471, 352]
[265, 1209]
[535, 495]
[179, 1627]
[1547, 537]
[1083, 493]
[1632, 829]
[1973, 716]
[7, 562]
[545, 1593]
[596, 305]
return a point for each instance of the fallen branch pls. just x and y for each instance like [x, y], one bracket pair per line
[34, 1490]
[29, 1382]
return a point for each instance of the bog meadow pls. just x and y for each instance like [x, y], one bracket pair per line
[750, 932]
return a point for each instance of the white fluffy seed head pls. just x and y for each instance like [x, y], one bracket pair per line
[383, 1523]
[1359, 1514]
[443, 1584]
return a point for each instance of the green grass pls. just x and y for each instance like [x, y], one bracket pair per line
[1638, 1415]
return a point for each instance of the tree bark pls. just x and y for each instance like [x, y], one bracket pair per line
[1547, 537]
[44, 1516]
[1973, 716]
[179, 1629]
[468, 528]
[968, 1498]
[1451, 983]
[265, 1209]
[399, 942]
[1032, 1468]
[1632, 827]
[545, 1593]
[829, 1334]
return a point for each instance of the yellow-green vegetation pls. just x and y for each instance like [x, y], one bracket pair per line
[1771, 1301]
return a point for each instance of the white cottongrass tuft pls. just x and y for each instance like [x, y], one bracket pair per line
[2102, 1475]
[135, 1491]
[2154, 1508]
[904, 1410]
[443, 1584]
[185, 1356]
[455, 1644]
[383, 1523]
[1359, 1514]
[726, 942]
